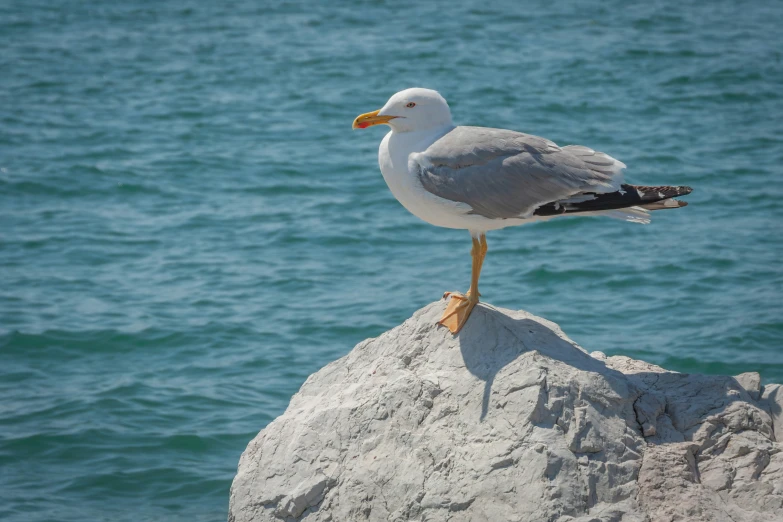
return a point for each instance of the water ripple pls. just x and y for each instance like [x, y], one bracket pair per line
[189, 227]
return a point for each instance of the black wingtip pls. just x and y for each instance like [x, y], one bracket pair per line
[649, 198]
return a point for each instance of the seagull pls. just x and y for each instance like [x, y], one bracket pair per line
[481, 179]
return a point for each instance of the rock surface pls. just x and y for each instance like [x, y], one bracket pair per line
[512, 421]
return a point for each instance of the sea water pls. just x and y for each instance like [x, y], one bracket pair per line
[189, 227]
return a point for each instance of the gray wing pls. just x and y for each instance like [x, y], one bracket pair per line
[506, 174]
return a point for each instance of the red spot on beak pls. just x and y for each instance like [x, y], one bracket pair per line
[363, 125]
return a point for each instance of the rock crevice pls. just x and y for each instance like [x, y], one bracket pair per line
[511, 420]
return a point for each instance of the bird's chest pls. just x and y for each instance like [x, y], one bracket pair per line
[393, 158]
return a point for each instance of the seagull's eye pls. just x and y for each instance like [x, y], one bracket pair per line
[410, 105]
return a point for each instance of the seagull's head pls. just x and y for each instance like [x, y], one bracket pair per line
[409, 110]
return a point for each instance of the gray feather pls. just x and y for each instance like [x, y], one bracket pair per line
[505, 174]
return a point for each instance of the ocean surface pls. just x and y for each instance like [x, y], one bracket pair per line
[189, 227]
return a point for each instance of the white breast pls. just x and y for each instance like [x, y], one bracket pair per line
[393, 155]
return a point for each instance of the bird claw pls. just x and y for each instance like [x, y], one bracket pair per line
[457, 295]
[458, 310]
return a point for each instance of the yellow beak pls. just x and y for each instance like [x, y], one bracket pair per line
[369, 119]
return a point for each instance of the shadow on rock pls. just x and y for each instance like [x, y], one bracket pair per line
[491, 340]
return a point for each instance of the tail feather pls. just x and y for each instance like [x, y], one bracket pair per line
[637, 196]
[664, 204]
[631, 214]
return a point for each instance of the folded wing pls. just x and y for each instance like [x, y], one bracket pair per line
[504, 174]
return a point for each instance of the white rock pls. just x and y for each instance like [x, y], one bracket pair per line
[751, 381]
[512, 421]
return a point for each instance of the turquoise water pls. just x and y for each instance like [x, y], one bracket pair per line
[189, 227]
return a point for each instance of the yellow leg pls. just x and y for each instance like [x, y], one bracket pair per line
[461, 305]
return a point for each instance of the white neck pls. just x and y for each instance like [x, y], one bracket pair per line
[418, 138]
[393, 156]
